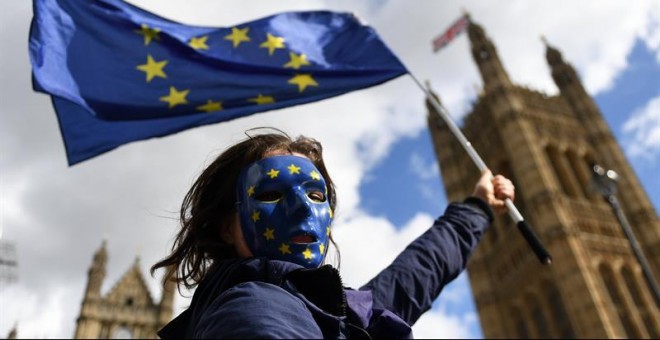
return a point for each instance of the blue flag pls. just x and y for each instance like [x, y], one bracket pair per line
[117, 73]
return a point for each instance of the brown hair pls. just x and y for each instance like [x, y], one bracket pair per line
[210, 204]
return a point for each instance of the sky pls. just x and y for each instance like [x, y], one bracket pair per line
[377, 146]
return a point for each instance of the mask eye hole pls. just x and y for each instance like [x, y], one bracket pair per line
[268, 196]
[316, 196]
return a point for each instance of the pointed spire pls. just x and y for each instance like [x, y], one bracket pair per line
[552, 55]
[434, 118]
[96, 273]
[466, 13]
[101, 255]
[427, 84]
[13, 333]
[429, 88]
[485, 55]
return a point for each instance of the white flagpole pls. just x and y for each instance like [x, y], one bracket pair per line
[525, 229]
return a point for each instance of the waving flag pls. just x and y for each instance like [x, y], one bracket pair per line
[455, 29]
[117, 73]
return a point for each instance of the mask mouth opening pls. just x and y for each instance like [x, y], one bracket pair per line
[304, 238]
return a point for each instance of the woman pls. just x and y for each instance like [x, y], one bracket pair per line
[256, 226]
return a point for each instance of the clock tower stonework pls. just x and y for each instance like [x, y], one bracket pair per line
[548, 145]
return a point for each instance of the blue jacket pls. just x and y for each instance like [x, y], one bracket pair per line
[261, 298]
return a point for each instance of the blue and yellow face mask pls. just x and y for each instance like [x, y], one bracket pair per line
[284, 210]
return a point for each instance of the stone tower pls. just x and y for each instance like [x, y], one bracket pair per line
[595, 287]
[127, 310]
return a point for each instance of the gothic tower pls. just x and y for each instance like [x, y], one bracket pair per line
[127, 310]
[595, 287]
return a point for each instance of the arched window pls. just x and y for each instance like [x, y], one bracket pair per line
[618, 302]
[539, 319]
[632, 283]
[562, 170]
[558, 312]
[582, 170]
[519, 324]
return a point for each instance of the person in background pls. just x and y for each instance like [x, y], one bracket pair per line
[255, 229]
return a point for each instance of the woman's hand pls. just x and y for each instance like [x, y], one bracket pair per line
[494, 190]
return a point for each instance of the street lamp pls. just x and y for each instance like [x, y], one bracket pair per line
[604, 181]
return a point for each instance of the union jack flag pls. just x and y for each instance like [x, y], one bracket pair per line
[454, 30]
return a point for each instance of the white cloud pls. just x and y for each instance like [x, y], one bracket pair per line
[368, 244]
[36, 316]
[651, 35]
[642, 131]
[423, 170]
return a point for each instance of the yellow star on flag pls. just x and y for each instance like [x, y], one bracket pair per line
[272, 43]
[255, 216]
[307, 254]
[268, 234]
[284, 249]
[330, 212]
[303, 81]
[327, 230]
[210, 106]
[293, 169]
[250, 191]
[238, 35]
[273, 173]
[153, 68]
[199, 43]
[175, 97]
[297, 61]
[261, 100]
[321, 248]
[148, 33]
[315, 175]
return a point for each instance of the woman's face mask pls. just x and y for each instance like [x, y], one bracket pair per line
[284, 210]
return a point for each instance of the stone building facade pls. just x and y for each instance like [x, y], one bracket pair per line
[595, 287]
[127, 311]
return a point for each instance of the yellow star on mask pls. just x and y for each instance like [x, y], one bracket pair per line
[303, 81]
[199, 43]
[293, 169]
[268, 234]
[153, 68]
[272, 43]
[273, 173]
[175, 97]
[238, 35]
[284, 249]
[315, 175]
[261, 100]
[148, 33]
[297, 61]
[210, 106]
[255, 216]
[321, 248]
[307, 254]
[250, 191]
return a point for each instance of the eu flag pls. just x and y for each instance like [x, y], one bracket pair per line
[117, 73]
